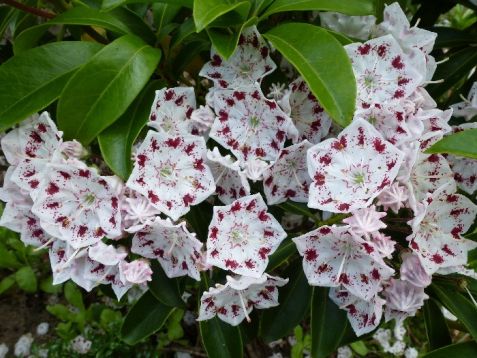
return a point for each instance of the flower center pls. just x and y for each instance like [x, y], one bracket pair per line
[89, 199]
[254, 121]
[166, 172]
[358, 178]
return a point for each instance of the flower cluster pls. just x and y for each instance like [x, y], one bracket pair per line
[373, 177]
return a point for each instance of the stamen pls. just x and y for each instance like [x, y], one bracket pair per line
[242, 302]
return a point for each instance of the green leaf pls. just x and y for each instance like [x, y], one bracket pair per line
[328, 324]
[206, 11]
[224, 41]
[101, 91]
[120, 21]
[146, 317]
[449, 37]
[285, 251]
[436, 328]
[220, 339]
[60, 311]
[186, 29]
[117, 140]
[8, 259]
[163, 15]
[457, 304]
[459, 350]
[111, 4]
[46, 285]
[323, 63]
[462, 144]
[348, 7]
[37, 77]
[26, 279]
[458, 66]
[165, 289]
[294, 300]
[73, 295]
[6, 283]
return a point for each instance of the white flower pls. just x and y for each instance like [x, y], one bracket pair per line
[468, 108]
[23, 346]
[80, 345]
[235, 300]
[357, 27]
[42, 328]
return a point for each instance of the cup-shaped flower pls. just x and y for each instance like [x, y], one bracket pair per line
[249, 63]
[176, 249]
[364, 316]
[383, 72]
[235, 300]
[288, 177]
[350, 171]
[230, 181]
[77, 205]
[437, 229]
[332, 256]
[171, 172]
[249, 125]
[172, 109]
[242, 235]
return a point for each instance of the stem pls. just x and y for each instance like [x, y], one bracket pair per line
[32, 10]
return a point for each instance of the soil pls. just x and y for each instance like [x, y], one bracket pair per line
[20, 314]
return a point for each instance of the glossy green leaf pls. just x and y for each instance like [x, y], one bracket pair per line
[120, 21]
[163, 16]
[328, 324]
[294, 300]
[349, 7]
[206, 11]
[101, 91]
[463, 144]
[220, 340]
[297, 209]
[36, 78]
[111, 4]
[449, 37]
[436, 328]
[458, 66]
[117, 140]
[323, 63]
[459, 350]
[73, 295]
[146, 317]
[8, 259]
[26, 279]
[6, 283]
[457, 304]
[165, 289]
[186, 29]
[223, 41]
[286, 251]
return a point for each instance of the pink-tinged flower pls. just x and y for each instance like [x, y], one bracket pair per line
[62, 258]
[172, 109]
[437, 228]
[171, 172]
[135, 272]
[235, 300]
[73, 149]
[202, 119]
[249, 63]
[230, 182]
[309, 117]
[429, 173]
[288, 177]
[383, 244]
[394, 197]
[365, 221]
[468, 108]
[383, 72]
[106, 254]
[357, 27]
[332, 256]
[396, 23]
[36, 138]
[465, 169]
[137, 211]
[350, 171]
[176, 249]
[412, 271]
[242, 235]
[436, 125]
[364, 316]
[254, 169]
[250, 125]
[403, 299]
[77, 205]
